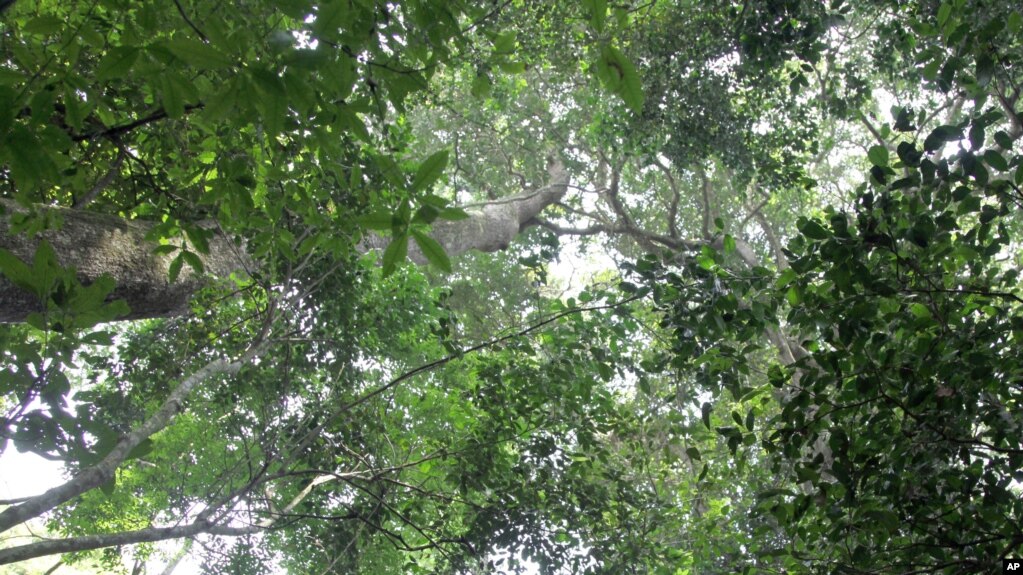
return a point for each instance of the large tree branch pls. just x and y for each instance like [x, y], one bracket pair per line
[90, 542]
[676, 197]
[644, 237]
[99, 244]
[492, 225]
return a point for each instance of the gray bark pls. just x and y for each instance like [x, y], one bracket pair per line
[98, 244]
[95, 244]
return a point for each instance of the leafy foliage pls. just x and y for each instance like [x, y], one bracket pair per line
[763, 384]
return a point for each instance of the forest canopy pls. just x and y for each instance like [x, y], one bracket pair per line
[667, 287]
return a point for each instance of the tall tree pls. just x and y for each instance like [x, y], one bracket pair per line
[763, 384]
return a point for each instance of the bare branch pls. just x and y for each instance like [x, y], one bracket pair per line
[705, 191]
[676, 197]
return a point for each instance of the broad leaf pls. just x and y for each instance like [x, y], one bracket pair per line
[430, 171]
[432, 250]
[395, 254]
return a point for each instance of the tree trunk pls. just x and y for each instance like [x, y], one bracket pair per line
[98, 244]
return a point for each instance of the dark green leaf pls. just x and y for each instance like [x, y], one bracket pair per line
[976, 136]
[175, 267]
[193, 260]
[512, 67]
[379, 220]
[395, 254]
[813, 230]
[430, 171]
[425, 215]
[117, 62]
[985, 70]
[197, 54]
[18, 272]
[505, 43]
[44, 25]
[433, 251]
[996, 160]
[940, 135]
[908, 154]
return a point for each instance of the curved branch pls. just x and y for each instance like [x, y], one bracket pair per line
[676, 197]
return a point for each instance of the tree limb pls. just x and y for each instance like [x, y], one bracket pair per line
[90, 542]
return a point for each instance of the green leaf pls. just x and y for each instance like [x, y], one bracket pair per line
[729, 244]
[44, 25]
[598, 13]
[430, 171]
[705, 410]
[812, 230]
[272, 100]
[1015, 23]
[117, 62]
[977, 136]
[196, 54]
[199, 238]
[996, 160]
[481, 86]
[908, 154]
[620, 76]
[165, 249]
[175, 268]
[693, 453]
[785, 278]
[703, 473]
[395, 254]
[944, 11]
[108, 487]
[379, 220]
[433, 251]
[18, 272]
[145, 447]
[505, 43]
[512, 67]
[193, 260]
[985, 70]
[937, 138]
[769, 493]
[172, 96]
[878, 155]
[793, 297]
[425, 214]
[920, 310]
